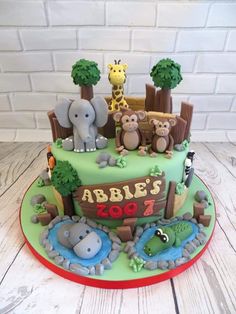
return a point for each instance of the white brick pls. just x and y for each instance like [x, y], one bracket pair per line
[226, 84]
[222, 63]
[53, 82]
[182, 15]
[136, 84]
[65, 60]
[76, 13]
[211, 103]
[9, 40]
[231, 44]
[176, 100]
[131, 13]
[234, 104]
[17, 120]
[33, 101]
[225, 121]
[103, 86]
[22, 13]
[42, 120]
[4, 103]
[222, 15]
[33, 136]
[196, 84]
[152, 40]
[199, 121]
[202, 40]
[14, 82]
[104, 39]
[49, 39]
[7, 135]
[231, 136]
[208, 136]
[26, 62]
[185, 60]
[137, 64]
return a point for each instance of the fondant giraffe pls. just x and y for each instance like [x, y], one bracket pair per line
[117, 77]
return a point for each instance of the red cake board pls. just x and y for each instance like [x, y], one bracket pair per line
[116, 284]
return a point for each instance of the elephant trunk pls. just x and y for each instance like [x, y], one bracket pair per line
[83, 131]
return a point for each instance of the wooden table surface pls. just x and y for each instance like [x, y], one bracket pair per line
[26, 286]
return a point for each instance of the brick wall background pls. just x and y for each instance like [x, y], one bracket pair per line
[40, 40]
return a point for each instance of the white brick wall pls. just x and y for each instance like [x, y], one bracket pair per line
[40, 40]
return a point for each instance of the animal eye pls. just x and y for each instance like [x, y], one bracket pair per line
[119, 70]
[86, 115]
[127, 120]
[114, 70]
[87, 231]
[88, 250]
[158, 232]
[81, 238]
[76, 115]
[132, 119]
[160, 125]
[165, 238]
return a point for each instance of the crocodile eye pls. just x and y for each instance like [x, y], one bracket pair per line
[159, 232]
[165, 238]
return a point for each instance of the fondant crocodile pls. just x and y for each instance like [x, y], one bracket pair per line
[168, 236]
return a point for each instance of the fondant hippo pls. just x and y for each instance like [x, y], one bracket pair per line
[80, 237]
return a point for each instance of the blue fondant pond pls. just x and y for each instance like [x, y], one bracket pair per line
[69, 253]
[169, 254]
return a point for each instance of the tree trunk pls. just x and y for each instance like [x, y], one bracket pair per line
[86, 92]
[165, 100]
[68, 205]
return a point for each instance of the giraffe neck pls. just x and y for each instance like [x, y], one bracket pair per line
[118, 93]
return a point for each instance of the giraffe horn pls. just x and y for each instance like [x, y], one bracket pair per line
[115, 61]
[118, 61]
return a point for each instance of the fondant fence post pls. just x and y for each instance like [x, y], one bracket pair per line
[109, 129]
[57, 130]
[169, 210]
[150, 97]
[186, 113]
[178, 131]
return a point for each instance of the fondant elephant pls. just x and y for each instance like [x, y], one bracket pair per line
[85, 117]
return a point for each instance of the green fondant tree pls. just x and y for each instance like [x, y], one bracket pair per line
[166, 74]
[65, 180]
[85, 73]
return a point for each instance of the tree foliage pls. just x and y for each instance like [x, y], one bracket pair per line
[166, 74]
[85, 73]
[64, 178]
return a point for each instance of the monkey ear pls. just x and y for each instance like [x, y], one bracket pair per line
[153, 122]
[125, 66]
[117, 116]
[110, 66]
[141, 114]
[172, 122]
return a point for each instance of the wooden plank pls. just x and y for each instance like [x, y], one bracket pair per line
[108, 130]
[158, 106]
[169, 210]
[150, 97]
[178, 131]
[187, 113]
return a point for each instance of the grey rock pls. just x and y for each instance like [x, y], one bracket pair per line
[179, 147]
[162, 264]
[101, 142]
[105, 229]
[204, 234]
[146, 226]
[45, 177]
[190, 248]
[79, 270]
[150, 265]
[138, 231]
[91, 270]
[193, 245]
[103, 164]
[48, 247]
[201, 239]
[50, 225]
[205, 203]
[106, 263]
[66, 264]
[45, 242]
[116, 246]
[186, 253]
[189, 179]
[100, 226]
[56, 220]
[131, 252]
[128, 246]
[83, 220]
[59, 260]
[194, 220]
[103, 156]
[112, 161]
[37, 199]
[66, 217]
[34, 219]
[171, 265]
[166, 221]
[153, 224]
[113, 255]
[91, 223]
[43, 236]
[136, 239]
[201, 227]
[52, 254]
[187, 216]
[135, 254]
[99, 269]
[180, 261]
[200, 196]
[179, 218]
[114, 238]
[75, 218]
[196, 242]
[173, 219]
[68, 143]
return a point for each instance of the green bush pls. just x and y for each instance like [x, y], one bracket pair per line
[85, 73]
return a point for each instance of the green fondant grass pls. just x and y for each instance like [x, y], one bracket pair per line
[120, 268]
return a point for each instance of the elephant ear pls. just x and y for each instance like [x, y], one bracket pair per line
[101, 111]
[62, 112]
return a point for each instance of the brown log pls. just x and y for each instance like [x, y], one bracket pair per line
[51, 115]
[187, 113]
[158, 106]
[130, 222]
[124, 233]
[169, 210]
[178, 131]
[68, 205]
[109, 129]
[171, 104]
[86, 92]
[150, 97]
[165, 100]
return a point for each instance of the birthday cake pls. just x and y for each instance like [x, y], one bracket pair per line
[118, 179]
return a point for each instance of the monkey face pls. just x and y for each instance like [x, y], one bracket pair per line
[129, 123]
[162, 128]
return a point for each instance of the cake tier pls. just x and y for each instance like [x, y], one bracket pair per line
[136, 167]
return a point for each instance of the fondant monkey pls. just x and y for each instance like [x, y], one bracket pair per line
[130, 137]
[162, 141]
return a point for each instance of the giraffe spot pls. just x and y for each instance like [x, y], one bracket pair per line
[113, 95]
[120, 87]
[116, 106]
[115, 87]
[119, 98]
[117, 93]
[109, 107]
